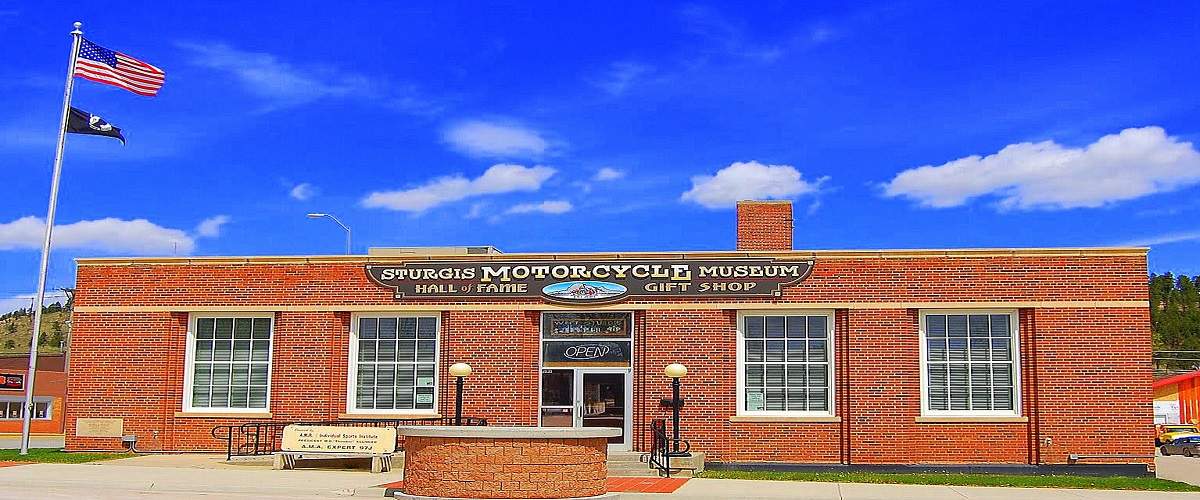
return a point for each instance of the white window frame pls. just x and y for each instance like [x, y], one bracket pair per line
[830, 350]
[1015, 345]
[352, 365]
[20, 401]
[190, 360]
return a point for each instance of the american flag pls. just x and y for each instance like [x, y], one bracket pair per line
[99, 64]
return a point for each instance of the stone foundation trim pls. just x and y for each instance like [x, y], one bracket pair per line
[972, 420]
[192, 414]
[770, 420]
[386, 416]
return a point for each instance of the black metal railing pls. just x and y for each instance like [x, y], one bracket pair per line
[265, 438]
[663, 447]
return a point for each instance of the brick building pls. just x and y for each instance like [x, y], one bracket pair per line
[999, 356]
[50, 386]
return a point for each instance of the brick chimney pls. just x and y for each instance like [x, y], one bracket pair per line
[764, 225]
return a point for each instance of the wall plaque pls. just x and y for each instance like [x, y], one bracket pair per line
[585, 353]
[591, 282]
[99, 427]
[337, 439]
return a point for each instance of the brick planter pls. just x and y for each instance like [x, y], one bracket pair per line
[505, 462]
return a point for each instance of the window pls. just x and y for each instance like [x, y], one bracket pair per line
[393, 364]
[784, 364]
[969, 364]
[229, 363]
[11, 409]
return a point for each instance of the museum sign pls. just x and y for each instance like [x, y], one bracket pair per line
[580, 282]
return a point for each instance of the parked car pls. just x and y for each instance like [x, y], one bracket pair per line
[1168, 432]
[1188, 446]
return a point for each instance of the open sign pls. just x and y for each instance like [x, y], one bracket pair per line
[583, 352]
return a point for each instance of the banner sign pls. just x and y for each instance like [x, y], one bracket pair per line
[12, 381]
[577, 325]
[585, 353]
[590, 282]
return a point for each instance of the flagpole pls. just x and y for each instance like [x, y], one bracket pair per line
[76, 36]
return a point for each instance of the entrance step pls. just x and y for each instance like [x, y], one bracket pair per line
[630, 464]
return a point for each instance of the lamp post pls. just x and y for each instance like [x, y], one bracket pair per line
[460, 371]
[334, 219]
[676, 371]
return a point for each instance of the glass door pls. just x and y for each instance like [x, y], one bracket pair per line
[588, 398]
[604, 402]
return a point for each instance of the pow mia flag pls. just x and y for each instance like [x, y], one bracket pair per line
[82, 122]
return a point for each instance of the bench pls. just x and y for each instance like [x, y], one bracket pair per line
[286, 460]
[331, 442]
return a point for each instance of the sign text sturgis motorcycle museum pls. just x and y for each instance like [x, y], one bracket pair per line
[581, 282]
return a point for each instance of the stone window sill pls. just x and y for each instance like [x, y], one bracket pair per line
[972, 420]
[386, 416]
[783, 419]
[196, 414]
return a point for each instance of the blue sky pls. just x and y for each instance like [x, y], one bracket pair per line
[622, 126]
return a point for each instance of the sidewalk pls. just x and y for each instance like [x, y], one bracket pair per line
[205, 476]
[753, 490]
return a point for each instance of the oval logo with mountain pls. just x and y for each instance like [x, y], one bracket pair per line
[584, 291]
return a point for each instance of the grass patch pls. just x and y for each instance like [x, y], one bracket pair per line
[55, 456]
[962, 479]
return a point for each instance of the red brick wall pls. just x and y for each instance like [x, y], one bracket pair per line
[1094, 381]
[1085, 372]
[764, 225]
[502, 349]
[857, 279]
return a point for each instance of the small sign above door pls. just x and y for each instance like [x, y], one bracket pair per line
[585, 325]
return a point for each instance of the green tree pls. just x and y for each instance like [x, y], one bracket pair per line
[56, 334]
[10, 344]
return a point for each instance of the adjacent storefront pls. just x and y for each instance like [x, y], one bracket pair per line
[1006, 356]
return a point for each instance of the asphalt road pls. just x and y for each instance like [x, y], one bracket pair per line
[1177, 468]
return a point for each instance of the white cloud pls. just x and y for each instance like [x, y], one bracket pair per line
[303, 191]
[11, 304]
[497, 179]
[608, 174]
[546, 207]
[1133, 163]
[111, 235]
[621, 75]
[477, 209]
[25, 301]
[211, 227]
[284, 84]
[1162, 239]
[749, 181]
[495, 140]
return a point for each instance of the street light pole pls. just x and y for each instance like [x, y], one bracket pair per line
[338, 222]
[675, 371]
[460, 371]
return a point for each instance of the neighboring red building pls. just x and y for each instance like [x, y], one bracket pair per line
[1177, 399]
[998, 356]
[50, 388]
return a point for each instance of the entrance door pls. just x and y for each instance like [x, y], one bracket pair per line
[582, 397]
